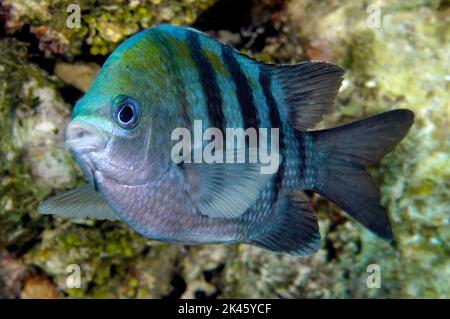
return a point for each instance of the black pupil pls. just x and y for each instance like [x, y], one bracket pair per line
[126, 114]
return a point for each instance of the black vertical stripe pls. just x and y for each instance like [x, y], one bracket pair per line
[243, 90]
[208, 82]
[275, 122]
[302, 165]
[278, 182]
[274, 113]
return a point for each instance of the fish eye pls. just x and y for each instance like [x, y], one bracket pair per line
[126, 112]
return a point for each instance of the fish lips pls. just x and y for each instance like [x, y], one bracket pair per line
[86, 165]
[83, 139]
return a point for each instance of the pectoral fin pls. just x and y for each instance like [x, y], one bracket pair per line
[225, 190]
[80, 202]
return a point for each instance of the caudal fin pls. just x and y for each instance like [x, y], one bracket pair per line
[341, 155]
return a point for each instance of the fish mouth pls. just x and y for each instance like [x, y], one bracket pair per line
[82, 139]
[86, 165]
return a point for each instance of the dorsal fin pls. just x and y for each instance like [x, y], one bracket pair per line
[309, 90]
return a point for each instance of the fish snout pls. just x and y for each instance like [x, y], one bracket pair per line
[83, 137]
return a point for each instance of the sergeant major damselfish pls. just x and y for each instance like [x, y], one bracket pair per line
[167, 77]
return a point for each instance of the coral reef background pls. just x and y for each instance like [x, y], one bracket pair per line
[401, 62]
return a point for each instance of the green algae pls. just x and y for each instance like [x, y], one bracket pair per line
[18, 196]
[114, 261]
[103, 25]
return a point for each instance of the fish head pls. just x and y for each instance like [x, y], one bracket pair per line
[122, 127]
[111, 133]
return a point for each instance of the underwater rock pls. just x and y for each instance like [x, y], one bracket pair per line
[32, 158]
[12, 273]
[102, 25]
[40, 131]
[114, 261]
[37, 287]
[79, 74]
[204, 279]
